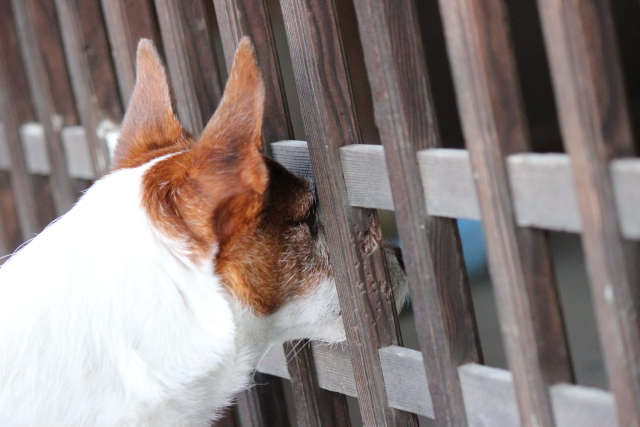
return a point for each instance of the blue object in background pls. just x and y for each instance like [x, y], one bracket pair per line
[473, 248]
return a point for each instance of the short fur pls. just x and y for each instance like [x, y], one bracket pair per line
[152, 300]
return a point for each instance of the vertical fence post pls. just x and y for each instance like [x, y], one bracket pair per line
[405, 115]
[32, 199]
[92, 75]
[41, 46]
[127, 22]
[358, 263]
[494, 126]
[589, 90]
[191, 61]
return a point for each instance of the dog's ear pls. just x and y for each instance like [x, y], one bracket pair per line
[227, 165]
[149, 125]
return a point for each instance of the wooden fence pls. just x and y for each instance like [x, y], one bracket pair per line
[66, 74]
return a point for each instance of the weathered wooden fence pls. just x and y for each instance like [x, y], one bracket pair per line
[66, 74]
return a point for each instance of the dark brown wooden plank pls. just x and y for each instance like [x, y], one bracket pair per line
[315, 407]
[49, 86]
[92, 76]
[589, 89]
[494, 126]
[238, 18]
[32, 204]
[358, 263]
[127, 22]
[191, 61]
[263, 405]
[432, 254]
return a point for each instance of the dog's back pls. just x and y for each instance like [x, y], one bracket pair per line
[113, 327]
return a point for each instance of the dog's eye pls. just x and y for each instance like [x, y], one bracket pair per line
[311, 220]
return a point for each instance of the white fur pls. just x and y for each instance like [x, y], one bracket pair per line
[103, 323]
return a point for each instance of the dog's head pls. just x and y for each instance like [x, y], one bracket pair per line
[220, 200]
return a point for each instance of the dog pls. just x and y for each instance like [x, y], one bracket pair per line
[152, 300]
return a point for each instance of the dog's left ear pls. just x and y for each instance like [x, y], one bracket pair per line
[227, 163]
[149, 125]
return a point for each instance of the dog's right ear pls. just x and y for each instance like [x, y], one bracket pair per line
[150, 127]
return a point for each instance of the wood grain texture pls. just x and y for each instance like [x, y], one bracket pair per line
[432, 252]
[365, 173]
[449, 186]
[542, 188]
[21, 198]
[543, 192]
[335, 371]
[406, 381]
[238, 18]
[488, 392]
[127, 22]
[315, 406]
[491, 401]
[489, 396]
[353, 235]
[590, 96]
[50, 89]
[91, 71]
[494, 127]
[193, 69]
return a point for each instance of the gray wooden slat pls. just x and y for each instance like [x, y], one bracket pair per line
[543, 192]
[449, 186]
[583, 406]
[625, 176]
[490, 401]
[406, 380]
[294, 155]
[489, 396]
[494, 127]
[34, 147]
[78, 153]
[335, 371]
[542, 188]
[591, 101]
[329, 117]
[365, 173]
[5, 161]
[488, 392]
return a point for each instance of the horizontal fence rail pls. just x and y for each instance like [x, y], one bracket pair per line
[542, 185]
[488, 392]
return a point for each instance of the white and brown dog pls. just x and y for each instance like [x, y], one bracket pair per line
[152, 300]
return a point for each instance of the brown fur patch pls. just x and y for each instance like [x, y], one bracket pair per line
[150, 128]
[220, 191]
